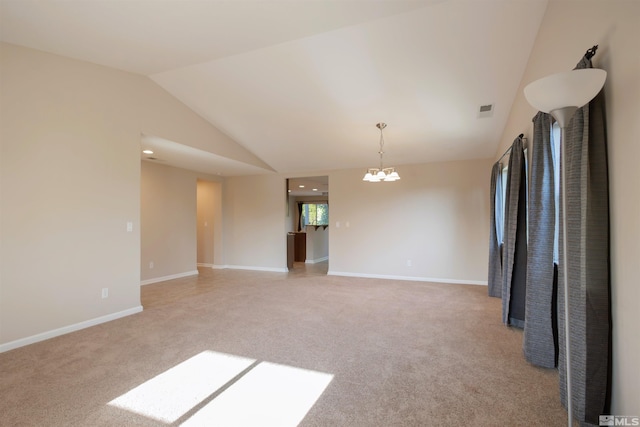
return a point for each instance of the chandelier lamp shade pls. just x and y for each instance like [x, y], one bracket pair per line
[567, 90]
[381, 173]
[560, 95]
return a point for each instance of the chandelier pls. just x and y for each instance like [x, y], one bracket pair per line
[381, 173]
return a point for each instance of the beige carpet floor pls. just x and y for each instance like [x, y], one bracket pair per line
[401, 353]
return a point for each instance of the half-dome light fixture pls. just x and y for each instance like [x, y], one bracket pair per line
[381, 173]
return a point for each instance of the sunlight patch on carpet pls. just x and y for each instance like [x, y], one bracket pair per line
[217, 389]
[268, 395]
[171, 394]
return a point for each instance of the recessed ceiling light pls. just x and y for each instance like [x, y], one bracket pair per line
[301, 186]
[315, 189]
[147, 151]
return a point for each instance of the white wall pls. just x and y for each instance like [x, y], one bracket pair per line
[569, 28]
[70, 182]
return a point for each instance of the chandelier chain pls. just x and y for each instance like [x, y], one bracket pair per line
[381, 146]
[381, 174]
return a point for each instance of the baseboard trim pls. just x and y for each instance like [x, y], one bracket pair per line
[68, 329]
[202, 264]
[248, 267]
[315, 261]
[408, 278]
[169, 277]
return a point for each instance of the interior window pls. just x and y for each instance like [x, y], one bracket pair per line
[315, 214]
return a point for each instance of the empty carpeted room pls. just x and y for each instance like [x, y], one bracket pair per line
[186, 236]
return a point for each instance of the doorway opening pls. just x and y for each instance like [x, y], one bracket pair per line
[308, 224]
[209, 214]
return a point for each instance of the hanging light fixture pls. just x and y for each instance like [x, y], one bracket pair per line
[381, 173]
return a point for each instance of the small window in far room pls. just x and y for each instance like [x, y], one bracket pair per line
[315, 214]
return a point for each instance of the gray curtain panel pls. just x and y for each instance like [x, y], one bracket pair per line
[495, 233]
[539, 344]
[587, 187]
[514, 251]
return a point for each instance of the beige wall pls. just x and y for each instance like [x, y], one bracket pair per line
[569, 28]
[317, 243]
[436, 216]
[167, 221]
[254, 222]
[70, 183]
[208, 211]
[175, 204]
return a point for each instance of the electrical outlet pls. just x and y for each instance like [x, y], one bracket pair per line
[105, 292]
[151, 264]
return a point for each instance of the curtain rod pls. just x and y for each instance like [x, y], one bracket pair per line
[521, 136]
[590, 52]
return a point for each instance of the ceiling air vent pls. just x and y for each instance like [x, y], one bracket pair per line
[485, 111]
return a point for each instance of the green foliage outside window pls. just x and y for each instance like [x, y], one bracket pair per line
[315, 214]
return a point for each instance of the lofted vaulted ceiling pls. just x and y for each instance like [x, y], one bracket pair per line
[302, 83]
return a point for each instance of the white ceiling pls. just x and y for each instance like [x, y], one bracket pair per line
[302, 83]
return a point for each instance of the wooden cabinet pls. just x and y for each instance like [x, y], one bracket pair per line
[290, 249]
[296, 248]
[300, 247]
